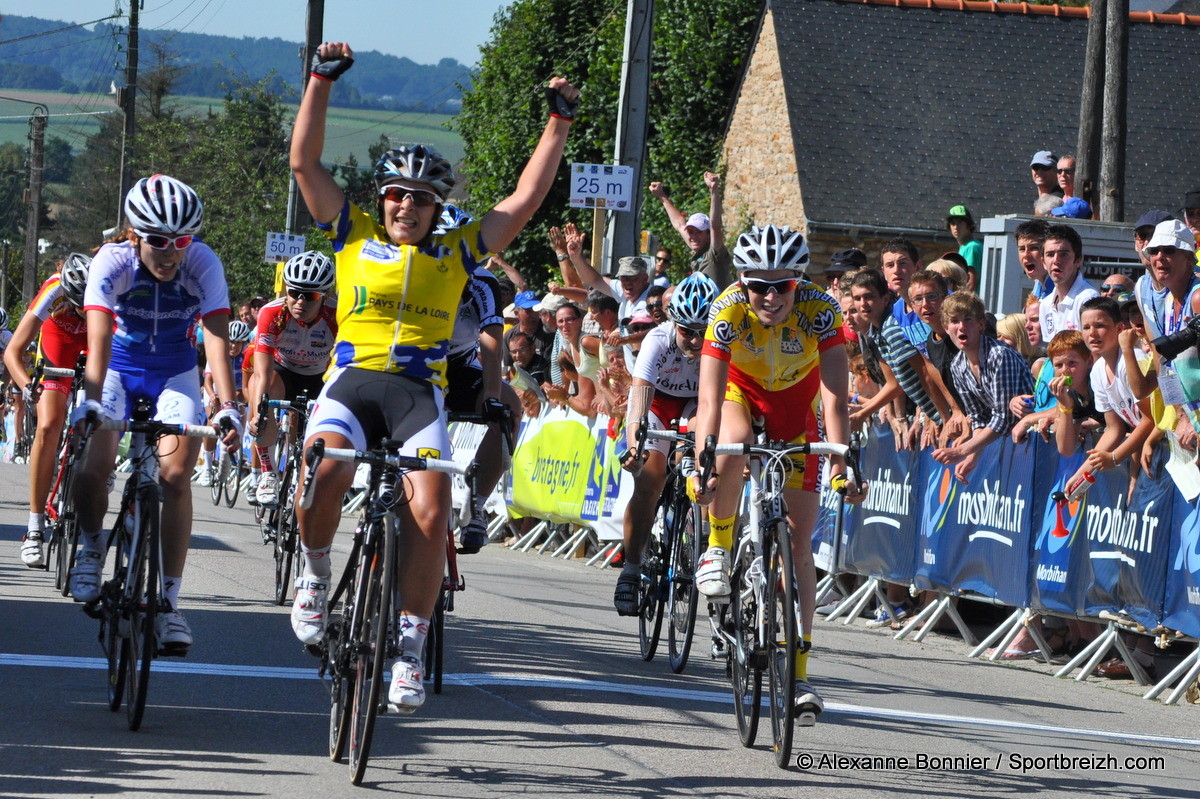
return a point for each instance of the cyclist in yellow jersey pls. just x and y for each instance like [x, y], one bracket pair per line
[775, 353]
[399, 287]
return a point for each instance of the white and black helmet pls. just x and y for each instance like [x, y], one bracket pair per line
[309, 271]
[239, 331]
[3, 319]
[162, 204]
[692, 299]
[419, 164]
[73, 277]
[771, 248]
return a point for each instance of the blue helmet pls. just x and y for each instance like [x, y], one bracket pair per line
[692, 298]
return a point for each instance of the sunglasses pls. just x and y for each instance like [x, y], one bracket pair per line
[640, 328]
[158, 241]
[763, 287]
[1107, 287]
[1066, 171]
[311, 296]
[691, 332]
[654, 306]
[419, 198]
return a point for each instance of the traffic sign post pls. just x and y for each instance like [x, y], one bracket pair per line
[602, 186]
[282, 247]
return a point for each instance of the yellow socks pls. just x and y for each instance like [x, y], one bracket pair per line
[720, 533]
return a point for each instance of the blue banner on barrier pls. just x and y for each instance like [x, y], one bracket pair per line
[881, 533]
[824, 530]
[975, 536]
[1181, 609]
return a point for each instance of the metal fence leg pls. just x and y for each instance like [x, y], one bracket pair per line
[1091, 655]
[568, 548]
[603, 552]
[860, 598]
[556, 532]
[1190, 664]
[612, 555]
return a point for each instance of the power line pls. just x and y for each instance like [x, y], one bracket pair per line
[59, 30]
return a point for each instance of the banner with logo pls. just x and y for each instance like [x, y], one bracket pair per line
[1181, 609]
[880, 537]
[975, 536]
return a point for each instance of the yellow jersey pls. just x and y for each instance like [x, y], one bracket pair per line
[778, 357]
[397, 303]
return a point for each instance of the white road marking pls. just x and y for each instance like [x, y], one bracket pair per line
[612, 689]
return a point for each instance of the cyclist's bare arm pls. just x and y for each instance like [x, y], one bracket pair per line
[100, 335]
[714, 377]
[321, 192]
[835, 391]
[23, 336]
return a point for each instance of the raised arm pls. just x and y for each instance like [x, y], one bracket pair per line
[678, 221]
[320, 191]
[502, 224]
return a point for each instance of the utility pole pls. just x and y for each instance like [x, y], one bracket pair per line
[1087, 150]
[298, 217]
[128, 100]
[37, 138]
[633, 112]
[1112, 163]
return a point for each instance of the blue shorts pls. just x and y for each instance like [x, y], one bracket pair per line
[176, 397]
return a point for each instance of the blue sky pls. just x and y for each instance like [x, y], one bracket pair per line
[366, 25]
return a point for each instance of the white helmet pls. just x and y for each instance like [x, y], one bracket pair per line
[692, 299]
[162, 204]
[73, 277]
[309, 271]
[417, 163]
[770, 247]
[239, 331]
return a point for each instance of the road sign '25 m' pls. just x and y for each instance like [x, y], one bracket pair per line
[602, 186]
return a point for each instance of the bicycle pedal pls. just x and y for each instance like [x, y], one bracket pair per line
[94, 610]
[402, 710]
[316, 650]
[806, 718]
[174, 650]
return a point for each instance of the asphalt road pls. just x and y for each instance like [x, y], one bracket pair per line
[545, 695]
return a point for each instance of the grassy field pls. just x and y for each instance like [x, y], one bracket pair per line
[73, 117]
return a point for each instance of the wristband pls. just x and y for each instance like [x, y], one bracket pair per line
[228, 404]
[560, 106]
[1065, 409]
[562, 256]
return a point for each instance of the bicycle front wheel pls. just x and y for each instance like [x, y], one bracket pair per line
[781, 610]
[650, 597]
[233, 478]
[114, 631]
[745, 664]
[682, 595]
[216, 476]
[285, 546]
[372, 613]
[435, 642]
[142, 642]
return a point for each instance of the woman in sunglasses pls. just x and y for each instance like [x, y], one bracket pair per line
[399, 286]
[666, 377]
[291, 352]
[142, 299]
[774, 351]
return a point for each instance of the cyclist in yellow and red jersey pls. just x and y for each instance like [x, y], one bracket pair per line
[399, 285]
[774, 353]
[55, 318]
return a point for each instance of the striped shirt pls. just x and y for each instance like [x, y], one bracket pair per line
[1003, 374]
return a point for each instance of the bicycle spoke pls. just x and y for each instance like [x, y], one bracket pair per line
[781, 642]
[745, 664]
[372, 614]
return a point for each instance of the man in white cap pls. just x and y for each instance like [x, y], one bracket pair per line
[1043, 169]
[702, 233]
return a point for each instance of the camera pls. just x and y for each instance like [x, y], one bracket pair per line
[1170, 346]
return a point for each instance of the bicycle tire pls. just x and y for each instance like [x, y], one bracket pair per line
[435, 643]
[372, 614]
[341, 687]
[682, 595]
[216, 477]
[651, 600]
[142, 605]
[66, 541]
[285, 538]
[233, 480]
[780, 597]
[115, 645]
[745, 669]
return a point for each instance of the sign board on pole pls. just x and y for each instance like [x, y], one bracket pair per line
[602, 186]
[282, 246]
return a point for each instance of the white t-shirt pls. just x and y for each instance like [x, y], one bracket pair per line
[1115, 395]
[1056, 317]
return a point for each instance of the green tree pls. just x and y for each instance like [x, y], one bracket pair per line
[700, 48]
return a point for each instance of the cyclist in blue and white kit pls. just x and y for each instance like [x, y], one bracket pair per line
[142, 300]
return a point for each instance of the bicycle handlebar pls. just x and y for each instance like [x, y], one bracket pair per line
[54, 371]
[376, 457]
[161, 429]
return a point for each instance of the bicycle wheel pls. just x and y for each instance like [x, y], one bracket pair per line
[341, 684]
[435, 643]
[682, 595]
[372, 612]
[142, 608]
[233, 477]
[780, 615]
[65, 540]
[114, 633]
[651, 599]
[745, 666]
[216, 476]
[285, 539]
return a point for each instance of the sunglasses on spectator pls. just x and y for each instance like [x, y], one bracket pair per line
[158, 241]
[691, 332]
[661, 258]
[1168, 251]
[311, 296]
[419, 198]
[1107, 287]
[654, 306]
[1066, 171]
[764, 287]
[640, 328]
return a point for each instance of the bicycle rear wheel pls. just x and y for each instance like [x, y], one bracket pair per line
[341, 687]
[435, 643]
[233, 478]
[142, 642]
[781, 610]
[285, 545]
[682, 595]
[216, 476]
[651, 599]
[745, 667]
[372, 612]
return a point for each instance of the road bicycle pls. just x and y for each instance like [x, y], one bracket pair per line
[761, 628]
[668, 586]
[130, 601]
[361, 632]
[63, 529]
[278, 523]
[225, 473]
